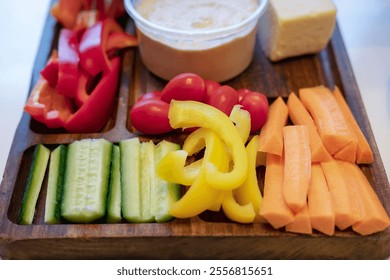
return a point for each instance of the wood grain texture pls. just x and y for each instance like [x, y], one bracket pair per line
[211, 235]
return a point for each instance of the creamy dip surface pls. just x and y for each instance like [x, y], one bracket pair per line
[197, 14]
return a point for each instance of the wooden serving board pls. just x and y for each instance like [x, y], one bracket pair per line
[211, 235]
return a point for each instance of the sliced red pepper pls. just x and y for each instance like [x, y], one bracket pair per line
[115, 9]
[50, 72]
[66, 11]
[47, 106]
[97, 108]
[86, 19]
[68, 62]
[92, 48]
[120, 40]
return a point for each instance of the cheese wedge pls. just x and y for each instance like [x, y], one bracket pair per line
[292, 28]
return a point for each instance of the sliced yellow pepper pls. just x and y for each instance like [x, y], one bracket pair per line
[249, 192]
[242, 119]
[172, 168]
[200, 196]
[236, 212]
[184, 114]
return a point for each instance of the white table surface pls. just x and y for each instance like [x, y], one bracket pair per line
[365, 26]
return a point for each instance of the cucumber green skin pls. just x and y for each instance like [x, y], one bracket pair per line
[55, 185]
[145, 197]
[164, 193]
[133, 200]
[114, 190]
[147, 180]
[34, 184]
[86, 180]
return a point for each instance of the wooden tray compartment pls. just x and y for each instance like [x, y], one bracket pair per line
[211, 235]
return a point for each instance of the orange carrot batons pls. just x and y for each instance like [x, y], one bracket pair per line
[375, 218]
[297, 165]
[301, 223]
[300, 116]
[271, 136]
[345, 208]
[320, 206]
[274, 208]
[363, 152]
[331, 124]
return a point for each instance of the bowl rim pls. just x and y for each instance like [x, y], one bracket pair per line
[142, 22]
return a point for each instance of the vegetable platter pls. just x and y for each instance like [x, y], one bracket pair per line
[209, 235]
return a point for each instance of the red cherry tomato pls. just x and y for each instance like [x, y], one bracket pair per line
[150, 116]
[211, 86]
[186, 86]
[224, 98]
[150, 95]
[257, 105]
[242, 92]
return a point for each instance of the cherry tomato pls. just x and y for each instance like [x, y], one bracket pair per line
[150, 95]
[186, 86]
[211, 86]
[242, 92]
[257, 105]
[150, 116]
[224, 98]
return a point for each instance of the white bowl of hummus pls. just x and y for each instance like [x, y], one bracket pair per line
[212, 38]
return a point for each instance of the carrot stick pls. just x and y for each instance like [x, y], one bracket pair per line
[297, 166]
[271, 136]
[363, 152]
[374, 218]
[301, 223]
[346, 208]
[274, 209]
[331, 124]
[300, 116]
[348, 153]
[321, 211]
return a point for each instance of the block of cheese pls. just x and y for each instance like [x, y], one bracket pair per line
[296, 27]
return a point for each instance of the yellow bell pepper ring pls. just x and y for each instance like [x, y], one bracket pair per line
[236, 212]
[172, 168]
[200, 196]
[249, 192]
[242, 119]
[184, 114]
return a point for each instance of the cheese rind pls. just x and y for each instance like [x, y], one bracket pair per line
[292, 28]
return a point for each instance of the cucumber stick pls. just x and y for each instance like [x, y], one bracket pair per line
[114, 190]
[145, 198]
[164, 194]
[86, 180]
[136, 188]
[55, 185]
[34, 184]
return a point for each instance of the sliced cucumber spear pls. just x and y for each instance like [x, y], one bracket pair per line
[130, 169]
[114, 190]
[55, 185]
[164, 194]
[34, 184]
[145, 197]
[86, 180]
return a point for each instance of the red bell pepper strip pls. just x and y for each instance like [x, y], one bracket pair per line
[120, 40]
[92, 48]
[96, 110]
[82, 95]
[50, 72]
[65, 11]
[115, 9]
[68, 62]
[47, 106]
